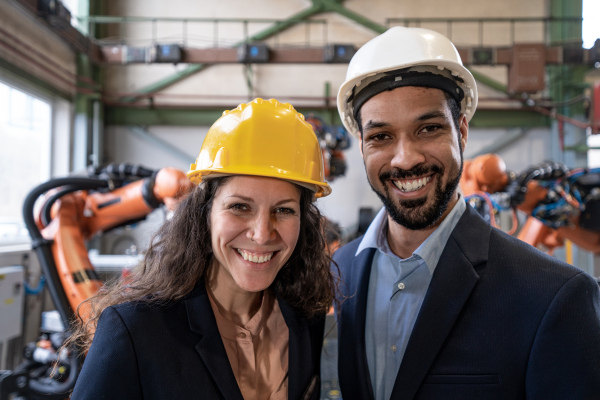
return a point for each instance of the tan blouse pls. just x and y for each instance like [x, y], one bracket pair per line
[258, 352]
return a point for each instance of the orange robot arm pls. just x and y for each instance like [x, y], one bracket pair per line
[487, 173]
[77, 216]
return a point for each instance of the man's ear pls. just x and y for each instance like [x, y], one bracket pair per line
[463, 127]
[360, 144]
[360, 135]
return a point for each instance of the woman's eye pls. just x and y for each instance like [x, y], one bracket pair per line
[238, 207]
[285, 210]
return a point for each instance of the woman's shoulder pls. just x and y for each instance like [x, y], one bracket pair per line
[140, 311]
[153, 304]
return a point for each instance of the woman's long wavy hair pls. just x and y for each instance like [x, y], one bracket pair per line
[180, 254]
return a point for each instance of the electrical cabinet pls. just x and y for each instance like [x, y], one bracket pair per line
[12, 289]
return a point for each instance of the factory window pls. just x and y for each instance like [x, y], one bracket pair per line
[590, 27]
[25, 137]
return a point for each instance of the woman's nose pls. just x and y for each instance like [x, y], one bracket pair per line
[262, 230]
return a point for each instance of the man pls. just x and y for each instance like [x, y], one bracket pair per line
[436, 304]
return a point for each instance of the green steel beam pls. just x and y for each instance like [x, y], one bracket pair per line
[166, 82]
[335, 6]
[564, 80]
[489, 82]
[144, 134]
[122, 115]
[508, 119]
[288, 23]
[157, 116]
[501, 142]
[582, 148]
[193, 69]
[318, 6]
[180, 116]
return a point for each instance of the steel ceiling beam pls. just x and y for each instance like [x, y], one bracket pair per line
[197, 116]
[337, 7]
[193, 69]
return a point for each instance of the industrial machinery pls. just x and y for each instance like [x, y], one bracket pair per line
[557, 203]
[333, 140]
[73, 210]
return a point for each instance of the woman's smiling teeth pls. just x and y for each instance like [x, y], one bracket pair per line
[255, 258]
[410, 186]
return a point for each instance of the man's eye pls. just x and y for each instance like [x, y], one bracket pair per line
[377, 136]
[431, 128]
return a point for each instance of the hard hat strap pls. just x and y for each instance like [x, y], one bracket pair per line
[403, 78]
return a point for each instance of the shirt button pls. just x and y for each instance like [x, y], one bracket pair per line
[242, 335]
[401, 286]
[394, 348]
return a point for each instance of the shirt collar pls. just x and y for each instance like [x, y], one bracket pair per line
[430, 250]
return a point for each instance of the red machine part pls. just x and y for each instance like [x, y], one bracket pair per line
[595, 114]
[486, 173]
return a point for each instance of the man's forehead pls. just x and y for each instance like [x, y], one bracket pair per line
[413, 100]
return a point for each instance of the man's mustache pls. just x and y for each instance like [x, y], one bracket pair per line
[417, 170]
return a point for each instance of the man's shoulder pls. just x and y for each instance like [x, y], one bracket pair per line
[348, 250]
[532, 264]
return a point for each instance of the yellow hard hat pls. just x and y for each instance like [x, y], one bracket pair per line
[264, 138]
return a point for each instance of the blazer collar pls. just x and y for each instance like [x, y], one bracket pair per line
[300, 364]
[452, 283]
[213, 354]
[210, 346]
[354, 357]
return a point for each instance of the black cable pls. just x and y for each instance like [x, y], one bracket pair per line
[548, 170]
[47, 207]
[42, 246]
[50, 388]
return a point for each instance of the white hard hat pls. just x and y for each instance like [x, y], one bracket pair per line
[408, 49]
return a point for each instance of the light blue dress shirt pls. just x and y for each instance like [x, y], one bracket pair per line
[397, 288]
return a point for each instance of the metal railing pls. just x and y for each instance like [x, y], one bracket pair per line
[188, 27]
[569, 27]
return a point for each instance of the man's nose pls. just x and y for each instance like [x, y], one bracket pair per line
[407, 153]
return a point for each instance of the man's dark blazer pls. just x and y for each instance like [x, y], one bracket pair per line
[500, 320]
[143, 351]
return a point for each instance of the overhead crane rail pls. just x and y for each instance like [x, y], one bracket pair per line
[201, 32]
[491, 31]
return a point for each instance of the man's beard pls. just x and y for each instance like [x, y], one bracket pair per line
[414, 214]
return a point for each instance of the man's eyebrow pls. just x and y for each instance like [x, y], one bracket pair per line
[431, 115]
[374, 124]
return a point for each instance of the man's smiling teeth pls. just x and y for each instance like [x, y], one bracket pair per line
[254, 258]
[410, 186]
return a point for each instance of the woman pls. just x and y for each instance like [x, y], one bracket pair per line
[230, 300]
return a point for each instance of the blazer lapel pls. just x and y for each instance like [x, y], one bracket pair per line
[452, 283]
[210, 347]
[351, 329]
[300, 352]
